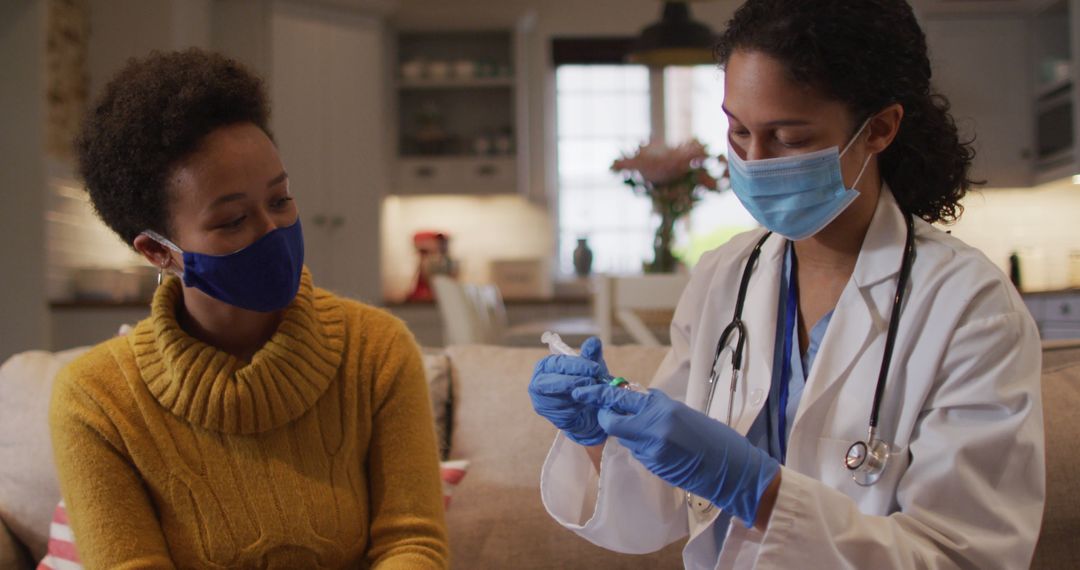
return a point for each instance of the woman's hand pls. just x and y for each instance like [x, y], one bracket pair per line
[553, 381]
[685, 447]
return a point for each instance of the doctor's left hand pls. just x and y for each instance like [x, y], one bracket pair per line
[685, 447]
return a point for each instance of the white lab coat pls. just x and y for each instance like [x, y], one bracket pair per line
[965, 486]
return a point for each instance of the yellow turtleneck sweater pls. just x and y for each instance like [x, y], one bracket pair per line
[319, 453]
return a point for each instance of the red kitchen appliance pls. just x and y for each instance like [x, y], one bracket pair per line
[434, 251]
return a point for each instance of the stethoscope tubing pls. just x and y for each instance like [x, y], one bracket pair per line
[894, 320]
[737, 327]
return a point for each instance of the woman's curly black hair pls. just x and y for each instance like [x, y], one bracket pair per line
[152, 114]
[868, 54]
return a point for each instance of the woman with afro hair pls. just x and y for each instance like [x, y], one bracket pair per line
[254, 419]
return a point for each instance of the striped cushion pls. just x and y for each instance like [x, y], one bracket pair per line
[62, 555]
[452, 472]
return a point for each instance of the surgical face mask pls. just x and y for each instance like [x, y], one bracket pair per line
[263, 276]
[795, 196]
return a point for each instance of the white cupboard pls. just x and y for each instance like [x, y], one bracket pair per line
[328, 118]
[981, 64]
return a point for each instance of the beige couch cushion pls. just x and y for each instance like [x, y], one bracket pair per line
[28, 487]
[1061, 415]
[497, 519]
[12, 553]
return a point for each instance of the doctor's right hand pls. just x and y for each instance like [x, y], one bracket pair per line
[555, 377]
[686, 448]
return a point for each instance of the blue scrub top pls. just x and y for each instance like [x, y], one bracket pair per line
[765, 432]
[791, 374]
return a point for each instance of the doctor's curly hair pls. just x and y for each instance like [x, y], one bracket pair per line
[868, 54]
[151, 115]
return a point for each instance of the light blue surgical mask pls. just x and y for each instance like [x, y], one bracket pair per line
[795, 196]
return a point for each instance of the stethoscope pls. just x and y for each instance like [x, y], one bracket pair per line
[865, 459]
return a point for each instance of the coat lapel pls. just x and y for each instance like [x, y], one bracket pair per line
[860, 321]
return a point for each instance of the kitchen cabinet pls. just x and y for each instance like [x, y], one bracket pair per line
[459, 104]
[981, 64]
[1056, 313]
[328, 121]
[473, 175]
[1009, 69]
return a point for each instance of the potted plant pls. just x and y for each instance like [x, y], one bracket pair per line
[674, 179]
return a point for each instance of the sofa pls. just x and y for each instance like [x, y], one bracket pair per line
[496, 519]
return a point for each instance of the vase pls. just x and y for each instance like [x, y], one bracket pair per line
[583, 258]
[664, 260]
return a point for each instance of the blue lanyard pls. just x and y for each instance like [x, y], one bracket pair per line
[791, 321]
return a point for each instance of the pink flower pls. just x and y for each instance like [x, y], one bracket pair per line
[705, 179]
[659, 164]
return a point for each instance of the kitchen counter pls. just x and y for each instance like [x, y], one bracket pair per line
[1050, 292]
[89, 322]
[391, 305]
[72, 304]
[424, 321]
[1056, 312]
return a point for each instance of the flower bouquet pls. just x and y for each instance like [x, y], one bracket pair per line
[674, 179]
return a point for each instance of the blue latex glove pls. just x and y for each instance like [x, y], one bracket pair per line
[555, 377]
[685, 447]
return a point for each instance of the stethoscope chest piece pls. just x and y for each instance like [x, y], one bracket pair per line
[866, 460]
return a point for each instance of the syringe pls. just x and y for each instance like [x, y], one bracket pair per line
[557, 346]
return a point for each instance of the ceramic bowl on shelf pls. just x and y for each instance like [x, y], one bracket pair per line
[464, 69]
[438, 70]
[413, 69]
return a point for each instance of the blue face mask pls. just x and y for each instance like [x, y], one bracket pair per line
[795, 196]
[263, 276]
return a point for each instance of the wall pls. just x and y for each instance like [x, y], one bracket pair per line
[122, 29]
[22, 251]
[119, 31]
[1039, 223]
[241, 30]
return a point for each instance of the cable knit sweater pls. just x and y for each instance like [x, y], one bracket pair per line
[319, 453]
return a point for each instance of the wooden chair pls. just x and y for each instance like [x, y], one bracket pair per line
[476, 314]
[471, 314]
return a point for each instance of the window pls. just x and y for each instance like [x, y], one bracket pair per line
[604, 110]
[692, 108]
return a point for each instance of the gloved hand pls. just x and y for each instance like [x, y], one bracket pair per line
[685, 447]
[555, 377]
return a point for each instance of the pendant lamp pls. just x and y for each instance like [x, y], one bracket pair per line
[675, 40]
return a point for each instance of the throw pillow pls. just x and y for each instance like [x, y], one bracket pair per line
[437, 370]
[28, 486]
[451, 472]
[61, 554]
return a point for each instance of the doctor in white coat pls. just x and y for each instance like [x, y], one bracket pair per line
[840, 148]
